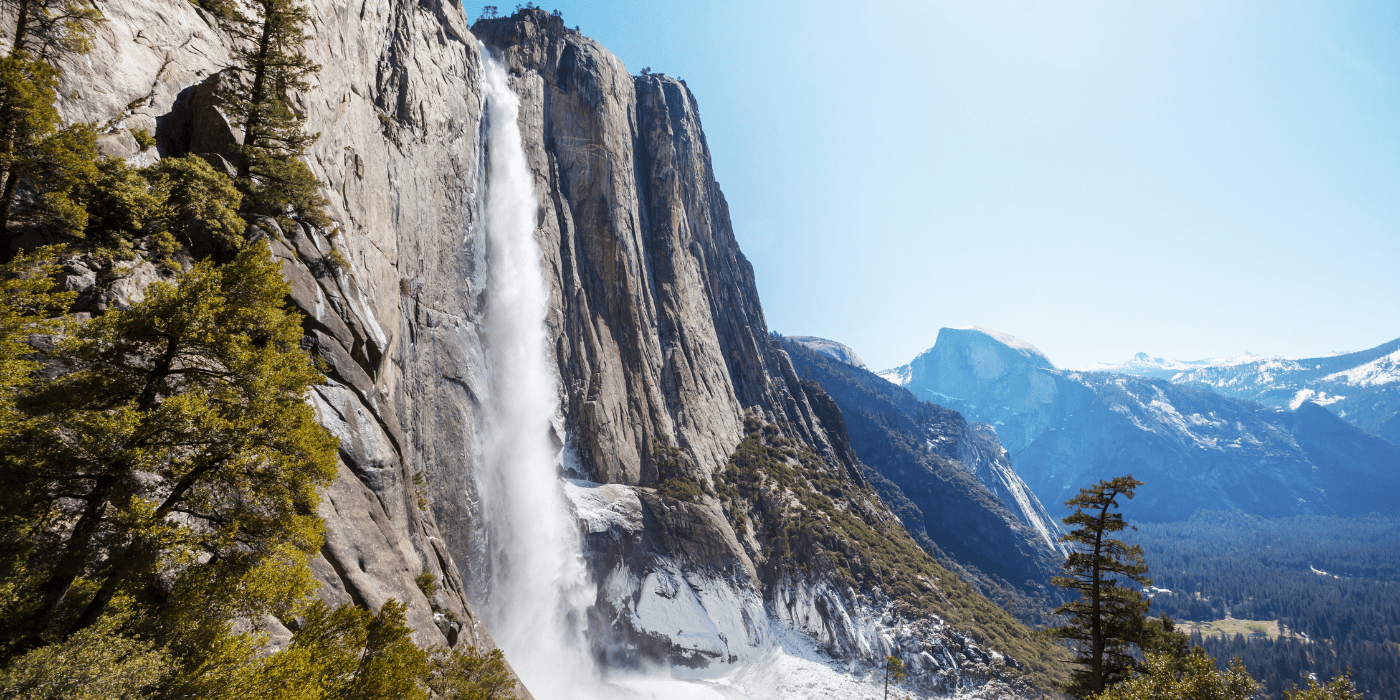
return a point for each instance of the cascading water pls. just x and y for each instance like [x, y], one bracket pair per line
[538, 588]
[536, 591]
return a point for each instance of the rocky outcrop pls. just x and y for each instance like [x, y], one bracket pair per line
[830, 348]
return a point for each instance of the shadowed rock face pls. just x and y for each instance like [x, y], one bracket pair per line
[961, 497]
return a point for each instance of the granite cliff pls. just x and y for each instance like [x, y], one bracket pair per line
[715, 486]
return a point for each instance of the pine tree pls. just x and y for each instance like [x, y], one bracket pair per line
[1108, 617]
[32, 144]
[467, 674]
[269, 63]
[175, 438]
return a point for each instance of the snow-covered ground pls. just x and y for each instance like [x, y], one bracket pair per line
[792, 669]
[741, 647]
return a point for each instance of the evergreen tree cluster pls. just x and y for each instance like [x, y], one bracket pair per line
[1268, 569]
[161, 464]
[1122, 654]
[1281, 664]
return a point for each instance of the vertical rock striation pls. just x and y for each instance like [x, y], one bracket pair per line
[665, 362]
[397, 108]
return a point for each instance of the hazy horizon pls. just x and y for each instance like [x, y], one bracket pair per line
[1097, 179]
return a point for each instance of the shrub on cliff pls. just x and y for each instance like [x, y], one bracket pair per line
[34, 148]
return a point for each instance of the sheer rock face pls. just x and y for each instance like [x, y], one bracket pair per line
[397, 107]
[655, 320]
[659, 333]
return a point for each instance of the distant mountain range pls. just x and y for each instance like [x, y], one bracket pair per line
[1243, 434]
[1362, 387]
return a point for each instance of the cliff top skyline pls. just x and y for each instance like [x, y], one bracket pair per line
[1190, 180]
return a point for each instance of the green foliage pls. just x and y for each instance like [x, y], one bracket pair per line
[27, 110]
[100, 662]
[467, 674]
[341, 653]
[176, 435]
[391, 666]
[1192, 677]
[60, 167]
[1107, 618]
[672, 479]
[427, 583]
[1161, 636]
[1265, 569]
[201, 203]
[1340, 688]
[269, 63]
[143, 138]
[32, 146]
[53, 29]
[28, 303]
[337, 259]
[175, 201]
[894, 671]
[120, 206]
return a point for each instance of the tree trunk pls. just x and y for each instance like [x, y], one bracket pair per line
[1096, 622]
[7, 251]
[253, 122]
[79, 544]
[12, 175]
[21, 27]
[124, 563]
[75, 551]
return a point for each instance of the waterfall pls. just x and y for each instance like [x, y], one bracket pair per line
[538, 589]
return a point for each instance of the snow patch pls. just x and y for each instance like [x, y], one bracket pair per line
[793, 668]
[1318, 397]
[899, 376]
[1382, 370]
[602, 507]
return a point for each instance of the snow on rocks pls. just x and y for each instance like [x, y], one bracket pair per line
[719, 638]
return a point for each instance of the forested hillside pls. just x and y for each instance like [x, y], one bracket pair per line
[1336, 581]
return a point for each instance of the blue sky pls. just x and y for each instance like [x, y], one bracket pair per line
[1097, 178]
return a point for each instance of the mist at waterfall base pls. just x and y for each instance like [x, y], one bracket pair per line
[537, 590]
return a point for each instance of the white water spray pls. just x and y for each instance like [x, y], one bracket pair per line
[537, 590]
[538, 587]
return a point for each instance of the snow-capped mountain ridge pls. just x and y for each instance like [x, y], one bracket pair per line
[1361, 387]
[1278, 451]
